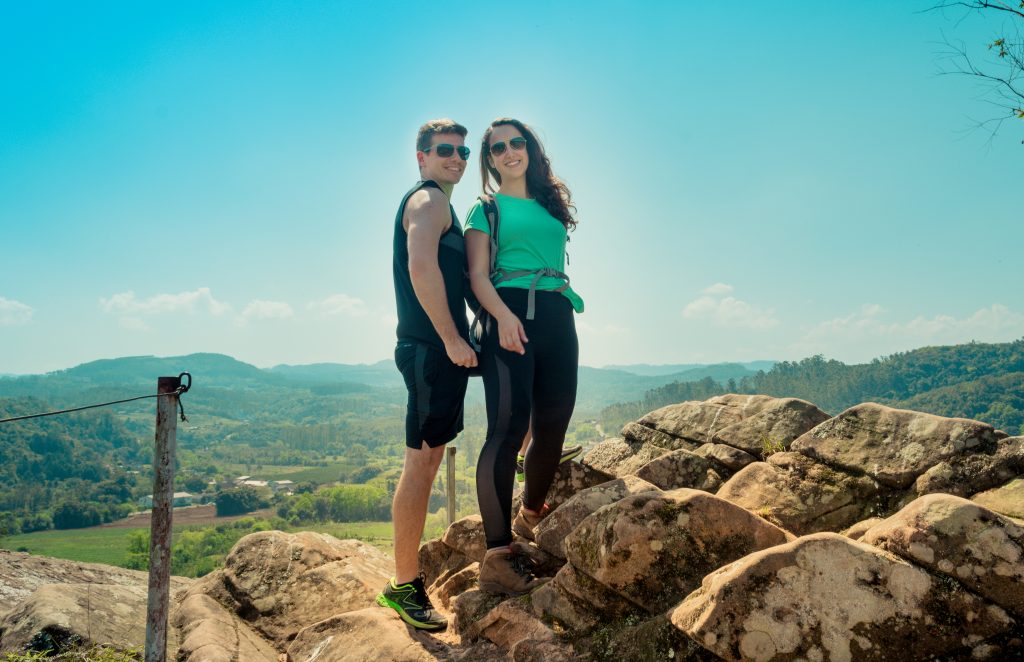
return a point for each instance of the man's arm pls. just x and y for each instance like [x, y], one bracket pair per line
[427, 217]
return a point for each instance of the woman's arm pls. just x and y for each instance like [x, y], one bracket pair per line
[511, 334]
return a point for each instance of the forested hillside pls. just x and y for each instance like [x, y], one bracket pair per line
[976, 380]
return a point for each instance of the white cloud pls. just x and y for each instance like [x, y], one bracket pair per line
[869, 328]
[14, 313]
[729, 311]
[719, 288]
[263, 310]
[183, 302]
[339, 304]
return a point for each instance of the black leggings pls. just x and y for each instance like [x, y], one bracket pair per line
[541, 385]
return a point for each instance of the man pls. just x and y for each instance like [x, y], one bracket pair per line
[432, 353]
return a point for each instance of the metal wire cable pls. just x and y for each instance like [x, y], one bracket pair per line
[178, 391]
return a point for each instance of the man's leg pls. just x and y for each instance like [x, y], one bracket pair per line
[409, 508]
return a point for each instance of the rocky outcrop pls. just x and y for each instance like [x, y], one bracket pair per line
[48, 603]
[364, 634]
[652, 549]
[747, 422]
[552, 530]
[278, 583]
[804, 496]
[892, 446]
[618, 458]
[21, 574]
[646, 562]
[954, 537]
[61, 617]
[681, 468]
[211, 633]
[1007, 499]
[826, 597]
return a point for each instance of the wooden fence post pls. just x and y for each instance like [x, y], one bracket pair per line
[450, 484]
[160, 529]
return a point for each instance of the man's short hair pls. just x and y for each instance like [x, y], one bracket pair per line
[436, 127]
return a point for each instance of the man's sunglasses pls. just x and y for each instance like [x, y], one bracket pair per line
[444, 150]
[518, 144]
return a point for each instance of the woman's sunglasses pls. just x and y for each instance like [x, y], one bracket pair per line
[518, 144]
[444, 150]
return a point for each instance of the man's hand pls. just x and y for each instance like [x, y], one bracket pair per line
[460, 352]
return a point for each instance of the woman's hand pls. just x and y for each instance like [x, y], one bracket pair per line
[511, 334]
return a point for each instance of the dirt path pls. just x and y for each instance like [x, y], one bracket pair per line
[184, 516]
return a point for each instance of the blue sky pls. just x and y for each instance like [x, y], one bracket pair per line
[754, 181]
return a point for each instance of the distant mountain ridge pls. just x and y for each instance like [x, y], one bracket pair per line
[598, 387]
[659, 370]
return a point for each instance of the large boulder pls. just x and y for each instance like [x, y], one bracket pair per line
[21, 574]
[579, 603]
[511, 622]
[438, 562]
[681, 468]
[466, 536]
[210, 633]
[826, 597]
[618, 458]
[282, 582]
[983, 467]
[747, 422]
[65, 616]
[893, 446]
[570, 478]
[365, 634]
[729, 458]
[653, 549]
[1007, 499]
[804, 496]
[552, 530]
[952, 536]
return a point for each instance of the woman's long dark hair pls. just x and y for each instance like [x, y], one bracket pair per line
[541, 183]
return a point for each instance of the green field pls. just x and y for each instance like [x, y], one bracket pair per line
[109, 545]
[95, 545]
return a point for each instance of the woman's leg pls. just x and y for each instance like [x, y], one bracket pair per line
[508, 378]
[556, 362]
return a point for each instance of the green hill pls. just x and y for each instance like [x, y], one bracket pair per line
[974, 380]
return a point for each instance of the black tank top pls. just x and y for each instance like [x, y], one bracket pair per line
[413, 323]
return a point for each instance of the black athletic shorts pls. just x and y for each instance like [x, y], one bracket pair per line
[437, 389]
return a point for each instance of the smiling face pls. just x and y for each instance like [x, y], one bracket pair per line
[512, 163]
[443, 170]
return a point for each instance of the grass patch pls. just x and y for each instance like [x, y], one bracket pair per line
[94, 545]
[379, 534]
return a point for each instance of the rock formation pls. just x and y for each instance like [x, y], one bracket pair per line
[738, 528]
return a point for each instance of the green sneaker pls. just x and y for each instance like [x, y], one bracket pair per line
[412, 604]
[570, 453]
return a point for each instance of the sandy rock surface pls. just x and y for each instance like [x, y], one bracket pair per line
[826, 597]
[957, 538]
[654, 549]
[282, 582]
[893, 446]
[552, 530]
[60, 615]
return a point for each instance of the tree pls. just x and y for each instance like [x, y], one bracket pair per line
[1000, 66]
[70, 515]
[237, 501]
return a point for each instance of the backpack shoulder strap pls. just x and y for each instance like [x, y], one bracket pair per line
[490, 207]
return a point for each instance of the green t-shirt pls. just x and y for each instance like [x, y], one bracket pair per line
[528, 238]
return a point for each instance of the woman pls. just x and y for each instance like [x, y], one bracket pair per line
[530, 353]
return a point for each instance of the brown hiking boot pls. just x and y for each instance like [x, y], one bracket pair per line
[525, 522]
[507, 573]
